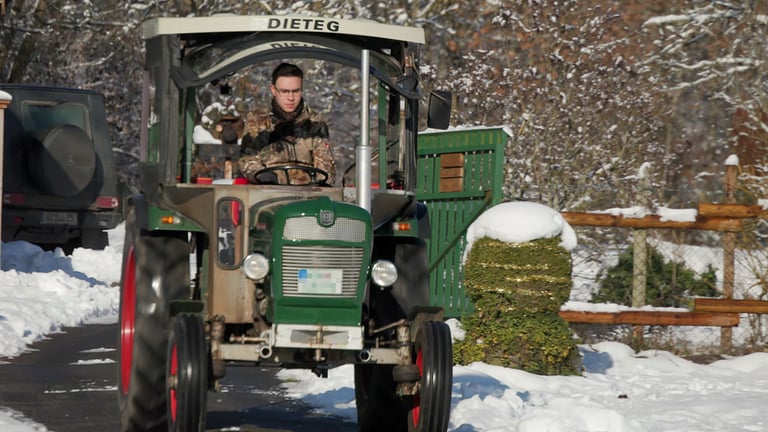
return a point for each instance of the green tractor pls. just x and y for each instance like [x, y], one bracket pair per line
[293, 276]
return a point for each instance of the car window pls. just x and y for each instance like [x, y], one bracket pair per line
[38, 117]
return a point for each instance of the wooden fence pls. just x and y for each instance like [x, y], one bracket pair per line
[727, 218]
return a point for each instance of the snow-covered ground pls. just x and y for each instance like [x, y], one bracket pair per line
[620, 390]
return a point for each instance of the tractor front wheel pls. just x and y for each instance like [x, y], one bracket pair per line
[431, 408]
[380, 409]
[186, 385]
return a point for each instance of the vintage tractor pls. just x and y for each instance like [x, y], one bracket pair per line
[294, 276]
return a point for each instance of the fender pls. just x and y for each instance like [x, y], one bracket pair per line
[141, 210]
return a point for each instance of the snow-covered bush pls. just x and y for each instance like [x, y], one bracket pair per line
[517, 290]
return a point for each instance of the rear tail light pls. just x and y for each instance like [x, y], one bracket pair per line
[13, 199]
[236, 213]
[107, 202]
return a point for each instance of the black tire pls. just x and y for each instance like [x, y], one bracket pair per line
[95, 239]
[88, 239]
[144, 321]
[379, 409]
[69, 247]
[187, 367]
[433, 355]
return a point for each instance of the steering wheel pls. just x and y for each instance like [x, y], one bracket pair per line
[311, 171]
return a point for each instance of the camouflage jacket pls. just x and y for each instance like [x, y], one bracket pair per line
[284, 139]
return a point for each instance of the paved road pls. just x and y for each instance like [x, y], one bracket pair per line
[68, 384]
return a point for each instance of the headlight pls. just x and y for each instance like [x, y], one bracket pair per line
[256, 266]
[383, 273]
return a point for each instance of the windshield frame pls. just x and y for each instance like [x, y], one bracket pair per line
[211, 61]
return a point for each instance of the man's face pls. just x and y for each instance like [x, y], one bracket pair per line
[287, 93]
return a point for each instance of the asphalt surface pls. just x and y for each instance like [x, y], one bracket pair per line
[68, 383]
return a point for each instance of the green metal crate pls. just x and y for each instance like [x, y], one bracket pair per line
[460, 173]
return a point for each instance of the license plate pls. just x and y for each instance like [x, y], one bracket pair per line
[320, 281]
[59, 218]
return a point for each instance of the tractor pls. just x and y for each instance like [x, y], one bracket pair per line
[219, 271]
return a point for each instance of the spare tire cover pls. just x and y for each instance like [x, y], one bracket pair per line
[64, 162]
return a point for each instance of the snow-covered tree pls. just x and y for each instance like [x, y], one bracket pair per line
[591, 89]
[564, 77]
[709, 63]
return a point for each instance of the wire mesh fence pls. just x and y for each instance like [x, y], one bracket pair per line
[684, 265]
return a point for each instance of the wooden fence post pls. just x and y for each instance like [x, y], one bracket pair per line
[5, 99]
[640, 259]
[729, 250]
[640, 267]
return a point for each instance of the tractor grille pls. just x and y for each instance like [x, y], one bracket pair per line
[307, 228]
[339, 265]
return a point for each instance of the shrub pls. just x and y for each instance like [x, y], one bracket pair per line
[517, 291]
[668, 283]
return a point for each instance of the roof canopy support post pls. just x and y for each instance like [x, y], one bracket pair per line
[364, 150]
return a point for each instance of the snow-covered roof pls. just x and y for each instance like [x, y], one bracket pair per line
[506, 129]
[279, 23]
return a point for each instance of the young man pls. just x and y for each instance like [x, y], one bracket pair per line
[290, 135]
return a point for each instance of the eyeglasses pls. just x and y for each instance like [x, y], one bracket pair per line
[287, 92]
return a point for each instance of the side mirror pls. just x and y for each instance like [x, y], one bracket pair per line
[439, 116]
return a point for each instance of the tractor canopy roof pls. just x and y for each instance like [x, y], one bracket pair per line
[212, 47]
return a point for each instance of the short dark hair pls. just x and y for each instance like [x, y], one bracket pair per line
[286, 70]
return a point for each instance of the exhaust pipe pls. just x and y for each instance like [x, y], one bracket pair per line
[364, 356]
[265, 351]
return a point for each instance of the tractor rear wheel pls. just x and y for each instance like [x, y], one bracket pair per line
[155, 272]
[187, 385]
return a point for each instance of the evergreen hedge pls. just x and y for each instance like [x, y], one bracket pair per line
[517, 290]
[668, 283]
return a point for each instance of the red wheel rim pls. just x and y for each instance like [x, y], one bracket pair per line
[173, 377]
[127, 320]
[417, 398]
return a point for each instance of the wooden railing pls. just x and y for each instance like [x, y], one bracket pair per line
[725, 305]
[637, 317]
[727, 218]
[712, 312]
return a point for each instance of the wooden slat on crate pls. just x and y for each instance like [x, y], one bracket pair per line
[730, 305]
[653, 318]
[452, 172]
